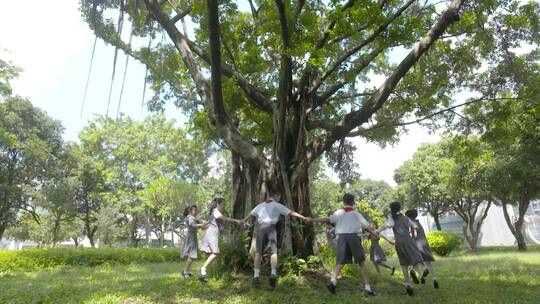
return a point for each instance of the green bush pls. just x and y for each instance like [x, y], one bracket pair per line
[443, 242]
[292, 265]
[45, 258]
[234, 256]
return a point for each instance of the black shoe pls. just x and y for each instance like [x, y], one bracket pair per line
[410, 290]
[392, 271]
[435, 284]
[273, 280]
[256, 282]
[414, 277]
[203, 278]
[185, 275]
[369, 293]
[332, 288]
[424, 275]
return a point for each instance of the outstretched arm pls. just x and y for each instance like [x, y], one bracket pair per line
[229, 219]
[320, 220]
[298, 215]
[200, 225]
[247, 218]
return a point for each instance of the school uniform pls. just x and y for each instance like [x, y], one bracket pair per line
[376, 254]
[267, 214]
[422, 244]
[349, 223]
[210, 240]
[406, 249]
[189, 249]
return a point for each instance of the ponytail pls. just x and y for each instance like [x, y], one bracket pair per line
[187, 211]
[395, 207]
[215, 202]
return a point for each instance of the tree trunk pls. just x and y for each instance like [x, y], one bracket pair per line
[162, 233]
[147, 229]
[436, 219]
[2, 230]
[517, 227]
[88, 229]
[56, 229]
[134, 237]
[471, 225]
[171, 225]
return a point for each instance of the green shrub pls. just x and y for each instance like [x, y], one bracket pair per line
[44, 258]
[443, 242]
[233, 257]
[292, 265]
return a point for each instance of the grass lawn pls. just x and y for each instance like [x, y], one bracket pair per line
[490, 276]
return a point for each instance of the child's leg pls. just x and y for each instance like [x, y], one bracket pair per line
[257, 265]
[384, 265]
[419, 268]
[376, 264]
[365, 276]
[406, 277]
[429, 266]
[273, 264]
[335, 274]
[209, 260]
[188, 264]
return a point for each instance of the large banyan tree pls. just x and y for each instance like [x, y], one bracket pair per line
[292, 80]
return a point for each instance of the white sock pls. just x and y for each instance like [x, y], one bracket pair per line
[256, 273]
[367, 287]
[273, 272]
[203, 271]
[333, 280]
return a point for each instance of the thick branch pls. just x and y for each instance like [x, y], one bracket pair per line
[215, 107]
[382, 28]
[360, 65]
[356, 118]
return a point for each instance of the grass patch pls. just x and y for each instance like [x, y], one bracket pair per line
[488, 276]
[48, 258]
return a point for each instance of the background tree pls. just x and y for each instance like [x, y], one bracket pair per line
[511, 130]
[422, 181]
[135, 156]
[90, 193]
[29, 141]
[377, 193]
[468, 182]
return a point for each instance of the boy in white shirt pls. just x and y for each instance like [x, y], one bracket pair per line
[349, 224]
[267, 214]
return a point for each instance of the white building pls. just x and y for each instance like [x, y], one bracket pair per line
[494, 231]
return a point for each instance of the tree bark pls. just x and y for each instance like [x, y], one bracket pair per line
[56, 229]
[436, 219]
[162, 233]
[471, 226]
[517, 227]
[147, 229]
[2, 230]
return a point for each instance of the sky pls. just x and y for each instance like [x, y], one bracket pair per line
[53, 45]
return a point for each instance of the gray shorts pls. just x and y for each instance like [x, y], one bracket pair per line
[266, 239]
[349, 246]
